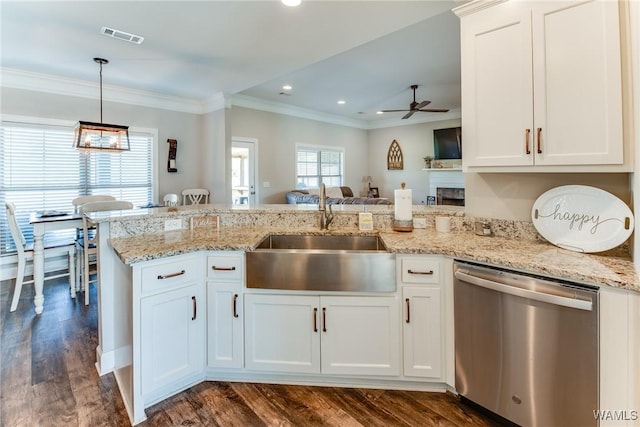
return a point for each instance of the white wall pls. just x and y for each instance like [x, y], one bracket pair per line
[416, 141]
[277, 137]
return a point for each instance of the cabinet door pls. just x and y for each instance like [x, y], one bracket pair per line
[497, 92]
[422, 330]
[577, 81]
[172, 337]
[282, 333]
[360, 335]
[224, 325]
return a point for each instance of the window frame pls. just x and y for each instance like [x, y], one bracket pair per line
[319, 149]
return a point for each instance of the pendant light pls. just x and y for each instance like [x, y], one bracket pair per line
[91, 136]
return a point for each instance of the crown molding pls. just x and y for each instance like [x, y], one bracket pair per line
[289, 110]
[475, 6]
[27, 80]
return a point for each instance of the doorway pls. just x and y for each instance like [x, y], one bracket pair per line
[243, 171]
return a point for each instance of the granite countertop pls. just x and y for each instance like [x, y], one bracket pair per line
[612, 268]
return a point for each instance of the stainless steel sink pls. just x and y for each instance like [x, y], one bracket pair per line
[321, 263]
[324, 242]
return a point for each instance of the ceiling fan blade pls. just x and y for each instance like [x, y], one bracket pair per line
[422, 104]
[392, 111]
[409, 114]
[435, 110]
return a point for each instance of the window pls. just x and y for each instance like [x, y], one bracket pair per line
[39, 169]
[315, 165]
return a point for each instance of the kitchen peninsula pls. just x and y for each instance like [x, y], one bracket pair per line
[146, 273]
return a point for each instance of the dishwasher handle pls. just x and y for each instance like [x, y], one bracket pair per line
[524, 293]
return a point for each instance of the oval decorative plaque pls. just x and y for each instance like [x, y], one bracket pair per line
[582, 218]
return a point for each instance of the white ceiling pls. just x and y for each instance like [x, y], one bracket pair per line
[365, 52]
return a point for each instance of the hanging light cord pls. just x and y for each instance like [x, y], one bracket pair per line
[101, 61]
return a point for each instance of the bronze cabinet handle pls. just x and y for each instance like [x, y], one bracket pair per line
[527, 134]
[315, 319]
[428, 273]
[169, 276]
[195, 308]
[214, 268]
[408, 310]
[324, 319]
[538, 143]
[235, 305]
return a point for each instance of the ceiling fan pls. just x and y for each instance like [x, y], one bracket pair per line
[415, 106]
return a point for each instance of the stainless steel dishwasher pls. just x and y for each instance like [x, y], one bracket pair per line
[526, 347]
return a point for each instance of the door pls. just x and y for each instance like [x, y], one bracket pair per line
[243, 171]
[172, 337]
[224, 321]
[282, 333]
[577, 83]
[360, 336]
[497, 88]
[422, 329]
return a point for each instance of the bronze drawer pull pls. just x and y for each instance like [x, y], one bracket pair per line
[527, 133]
[408, 311]
[324, 319]
[315, 319]
[214, 268]
[169, 276]
[538, 132]
[195, 308]
[235, 305]
[428, 273]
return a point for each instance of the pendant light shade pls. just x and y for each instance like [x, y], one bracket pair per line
[91, 136]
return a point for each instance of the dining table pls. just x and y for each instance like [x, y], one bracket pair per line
[43, 222]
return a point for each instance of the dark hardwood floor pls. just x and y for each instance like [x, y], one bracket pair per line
[48, 378]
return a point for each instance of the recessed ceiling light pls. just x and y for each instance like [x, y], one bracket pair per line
[379, 112]
[287, 87]
[291, 3]
[342, 102]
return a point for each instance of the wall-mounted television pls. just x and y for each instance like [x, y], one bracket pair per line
[447, 143]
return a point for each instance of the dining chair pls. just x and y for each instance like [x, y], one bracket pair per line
[87, 245]
[25, 253]
[195, 195]
[81, 200]
[170, 199]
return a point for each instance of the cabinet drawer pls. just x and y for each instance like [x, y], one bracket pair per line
[161, 277]
[225, 267]
[418, 270]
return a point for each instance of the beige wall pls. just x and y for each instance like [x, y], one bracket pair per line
[511, 195]
[277, 137]
[416, 141]
[184, 127]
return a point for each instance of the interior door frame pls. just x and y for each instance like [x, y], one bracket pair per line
[252, 145]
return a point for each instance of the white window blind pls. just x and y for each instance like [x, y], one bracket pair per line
[315, 165]
[40, 170]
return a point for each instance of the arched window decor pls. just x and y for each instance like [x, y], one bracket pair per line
[394, 157]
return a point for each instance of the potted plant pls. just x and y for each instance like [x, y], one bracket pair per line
[427, 161]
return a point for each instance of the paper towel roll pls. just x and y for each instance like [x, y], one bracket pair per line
[403, 205]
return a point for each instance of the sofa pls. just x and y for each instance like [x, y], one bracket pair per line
[335, 196]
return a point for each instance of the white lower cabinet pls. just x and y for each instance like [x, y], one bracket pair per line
[350, 335]
[422, 332]
[424, 281]
[172, 338]
[224, 324]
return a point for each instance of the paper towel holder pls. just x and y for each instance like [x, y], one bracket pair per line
[402, 225]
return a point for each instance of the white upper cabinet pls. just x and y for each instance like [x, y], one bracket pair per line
[541, 85]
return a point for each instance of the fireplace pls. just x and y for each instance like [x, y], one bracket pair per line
[450, 196]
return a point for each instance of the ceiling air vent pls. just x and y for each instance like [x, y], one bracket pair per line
[121, 35]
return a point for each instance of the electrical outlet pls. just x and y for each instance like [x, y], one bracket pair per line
[173, 224]
[419, 222]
